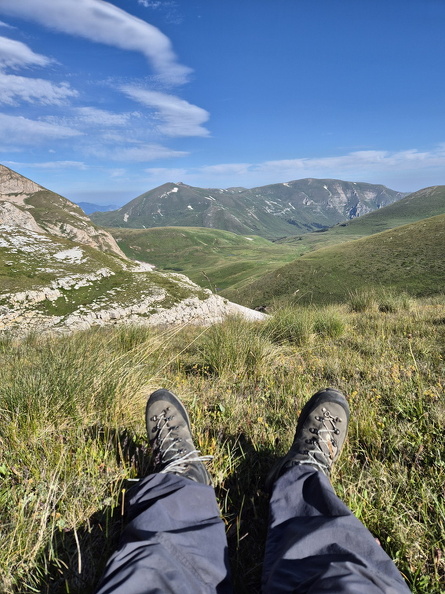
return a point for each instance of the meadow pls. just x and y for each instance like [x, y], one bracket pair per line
[72, 435]
[212, 258]
[410, 259]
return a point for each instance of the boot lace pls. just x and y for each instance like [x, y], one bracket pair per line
[169, 456]
[326, 446]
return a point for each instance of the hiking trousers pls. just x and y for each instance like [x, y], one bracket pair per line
[175, 542]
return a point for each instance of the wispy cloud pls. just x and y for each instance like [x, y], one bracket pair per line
[139, 154]
[151, 3]
[169, 8]
[33, 90]
[166, 173]
[176, 116]
[14, 89]
[101, 117]
[50, 165]
[102, 22]
[391, 168]
[358, 161]
[15, 54]
[19, 131]
[227, 169]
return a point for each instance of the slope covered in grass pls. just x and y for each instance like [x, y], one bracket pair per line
[423, 204]
[410, 258]
[72, 432]
[212, 258]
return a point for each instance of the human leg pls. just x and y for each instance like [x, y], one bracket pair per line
[315, 544]
[175, 539]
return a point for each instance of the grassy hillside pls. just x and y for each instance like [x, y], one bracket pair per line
[426, 203]
[32, 261]
[410, 258]
[212, 258]
[72, 433]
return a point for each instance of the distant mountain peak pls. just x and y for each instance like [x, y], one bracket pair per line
[272, 211]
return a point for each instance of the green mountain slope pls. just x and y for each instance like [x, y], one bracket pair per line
[410, 258]
[419, 205]
[270, 211]
[210, 257]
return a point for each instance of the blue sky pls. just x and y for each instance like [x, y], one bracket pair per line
[101, 101]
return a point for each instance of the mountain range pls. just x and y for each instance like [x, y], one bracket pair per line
[272, 211]
[60, 272]
[253, 271]
[400, 247]
[90, 207]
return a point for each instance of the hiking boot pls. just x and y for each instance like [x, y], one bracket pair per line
[169, 434]
[320, 434]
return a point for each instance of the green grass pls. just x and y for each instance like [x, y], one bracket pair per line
[72, 433]
[32, 266]
[423, 204]
[212, 258]
[408, 259]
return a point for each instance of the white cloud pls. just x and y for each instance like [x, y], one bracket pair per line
[358, 161]
[138, 154]
[33, 90]
[58, 165]
[102, 22]
[15, 54]
[102, 117]
[2, 24]
[150, 3]
[169, 8]
[177, 117]
[119, 172]
[227, 169]
[406, 170]
[166, 173]
[21, 131]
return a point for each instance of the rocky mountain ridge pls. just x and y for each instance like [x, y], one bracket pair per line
[272, 211]
[60, 272]
[32, 206]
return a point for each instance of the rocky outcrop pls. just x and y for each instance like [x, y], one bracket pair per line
[21, 319]
[15, 187]
[16, 216]
[17, 197]
[87, 234]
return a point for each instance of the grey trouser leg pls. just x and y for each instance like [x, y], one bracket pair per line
[175, 541]
[315, 544]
